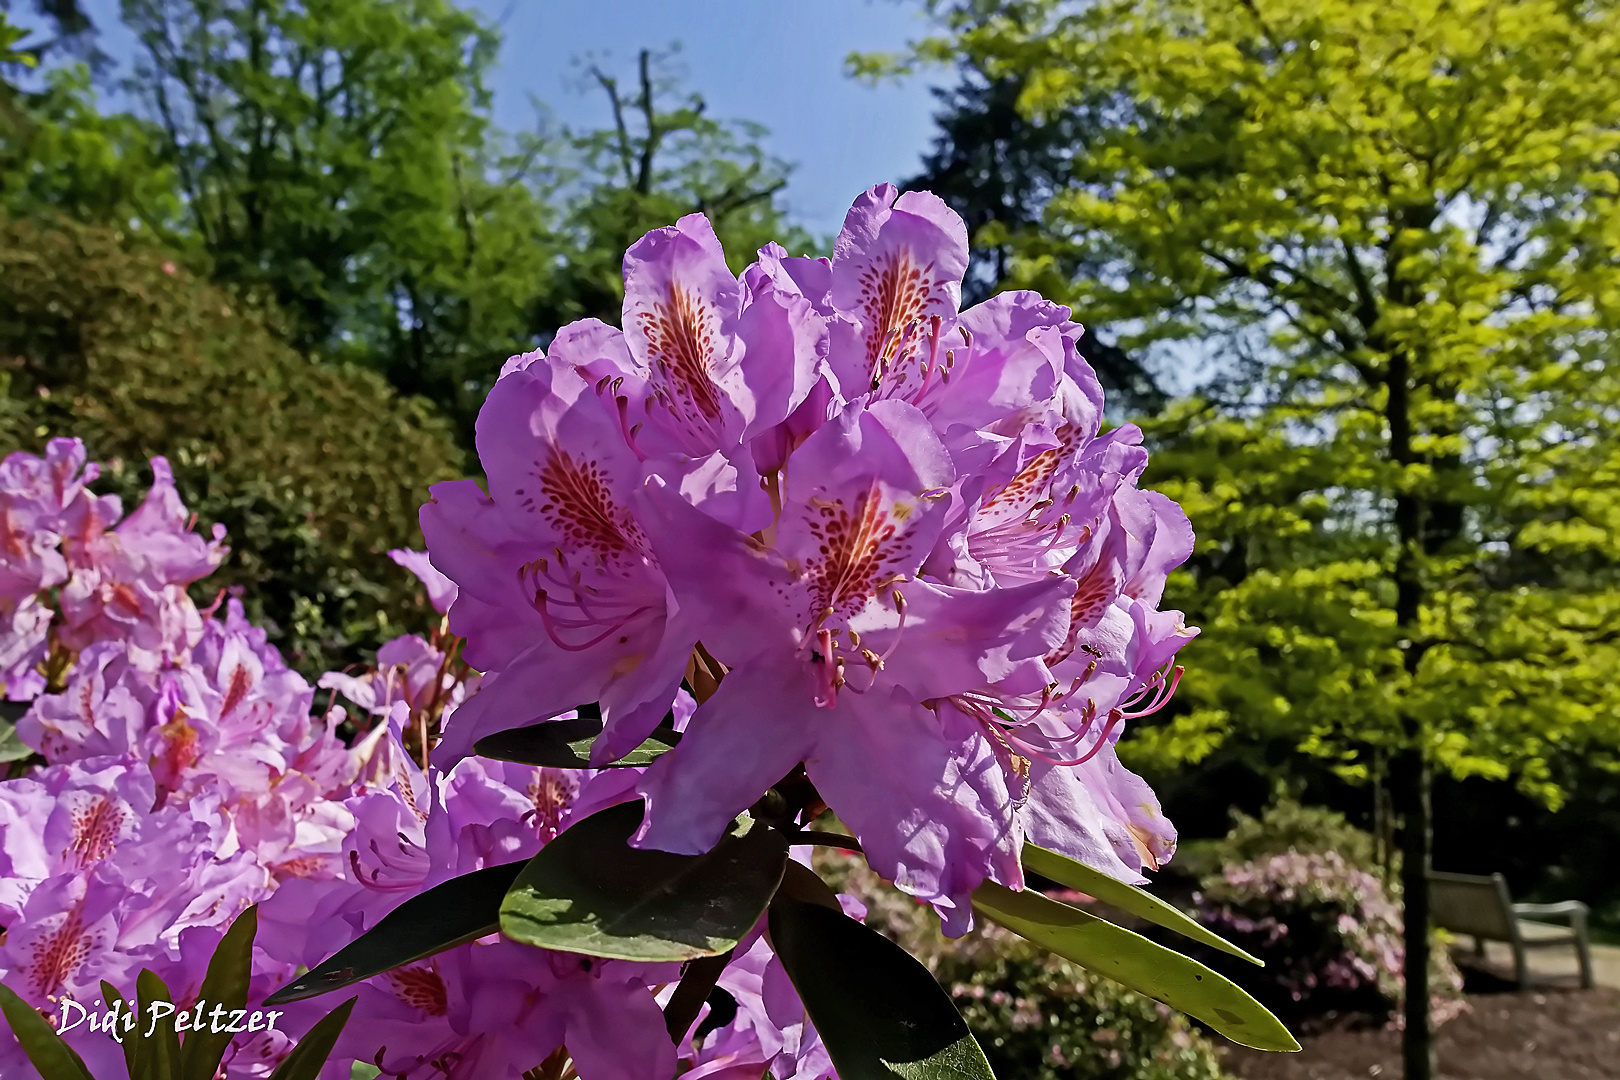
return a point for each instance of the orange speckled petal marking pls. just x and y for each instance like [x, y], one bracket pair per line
[421, 988]
[683, 348]
[575, 498]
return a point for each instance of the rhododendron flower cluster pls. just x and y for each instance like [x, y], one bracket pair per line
[1330, 935]
[123, 582]
[802, 539]
[186, 774]
[884, 538]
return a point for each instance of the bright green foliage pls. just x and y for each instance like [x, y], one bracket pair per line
[1040, 1017]
[1391, 233]
[316, 470]
[9, 37]
[1286, 826]
[337, 156]
[337, 159]
[1394, 233]
[60, 154]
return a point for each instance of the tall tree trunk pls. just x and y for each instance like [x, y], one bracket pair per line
[1402, 374]
[1417, 1041]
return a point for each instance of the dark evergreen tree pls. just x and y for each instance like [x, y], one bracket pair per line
[998, 169]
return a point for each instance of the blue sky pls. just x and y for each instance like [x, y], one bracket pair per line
[777, 62]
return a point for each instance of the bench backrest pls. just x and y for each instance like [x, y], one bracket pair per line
[1465, 904]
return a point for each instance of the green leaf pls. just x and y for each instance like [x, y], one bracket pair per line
[697, 983]
[1142, 904]
[111, 994]
[156, 1057]
[801, 883]
[11, 747]
[566, 744]
[1135, 962]
[306, 1059]
[590, 892]
[53, 1057]
[226, 982]
[360, 1070]
[456, 911]
[880, 1013]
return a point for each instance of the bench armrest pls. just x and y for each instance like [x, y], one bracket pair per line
[1571, 911]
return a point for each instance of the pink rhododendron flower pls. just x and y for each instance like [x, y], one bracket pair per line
[834, 529]
[770, 1031]
[441, 591]
[558, 591]
[493, 1008]
[891, 529]
[98, 884]
[129, 583]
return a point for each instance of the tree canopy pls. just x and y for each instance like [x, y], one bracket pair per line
[1389, 236]
[305, 198]
[664, 157]
[998, 168]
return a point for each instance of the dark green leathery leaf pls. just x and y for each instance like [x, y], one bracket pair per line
[157, 1055]
[309, 1056]
[451, 913]
[590, 892]
[229, 971]
[53, 1057]
[879, 1012]
[566, 744]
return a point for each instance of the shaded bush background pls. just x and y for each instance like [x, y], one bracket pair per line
[1037, 1016]
[314, 469]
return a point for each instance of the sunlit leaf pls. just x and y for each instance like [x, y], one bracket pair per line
[1142, 904]
[590, 892]
[12, 748]
[1135, 962]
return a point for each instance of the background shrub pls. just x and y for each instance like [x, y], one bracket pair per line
[1329, 932]
[1037, 1016]
[1286, 826]
[315, 469]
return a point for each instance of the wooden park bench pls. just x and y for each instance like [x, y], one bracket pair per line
[1482, 908]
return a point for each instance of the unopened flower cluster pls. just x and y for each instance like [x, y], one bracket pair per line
[187, 773]
[890, 536]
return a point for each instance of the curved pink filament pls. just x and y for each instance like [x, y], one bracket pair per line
[552, 628]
